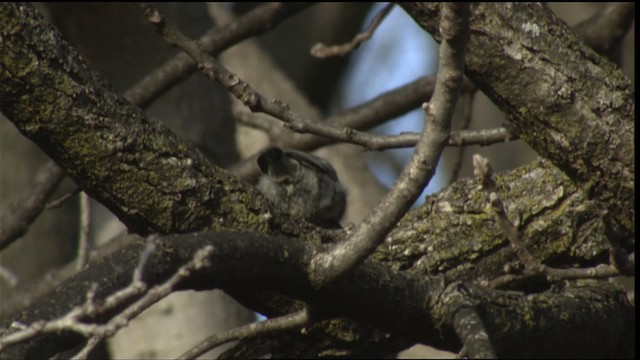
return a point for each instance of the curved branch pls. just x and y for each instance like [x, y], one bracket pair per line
[604, 31]
[326, 267]
[412, 307]
[321, 50]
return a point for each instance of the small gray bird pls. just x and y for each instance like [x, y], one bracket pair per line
[302, 185]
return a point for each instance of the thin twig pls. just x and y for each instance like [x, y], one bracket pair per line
[327, 266]
[86, 350]
[75, 319]
[533, 267]
[25, 209]
[242, 91]
[375, 142]
[178, 68]
[374, 112]
[322, 51]
[361, 117]
[72, 319]
[285, 322]
[618, 257]
[84, 245]
[59, 201]
[484, 173]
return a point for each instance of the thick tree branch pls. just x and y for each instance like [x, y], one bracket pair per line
[414, 307]
[152, 180]
[453, 227]
[583, 118]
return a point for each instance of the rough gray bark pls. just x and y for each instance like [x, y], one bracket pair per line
[107, 146]
[569, 104]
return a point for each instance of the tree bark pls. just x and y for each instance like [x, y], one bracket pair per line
[571, 105]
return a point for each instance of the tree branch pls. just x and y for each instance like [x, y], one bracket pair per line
[321, 50]
[604, 31]
[17, 217]
[121, 144]
[178, 68]
[467, 323]
[583, 120]
[285, 322]
[135, 166]
[328, 266]
[533, 267]
[413, 307]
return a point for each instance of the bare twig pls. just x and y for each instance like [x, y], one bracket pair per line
[243, 91]
[374, 112]
[258, 21]
[344, 256]
[618, 257]
[509, 281]
[483, 171]
[322, 51]
[21, 212]
[362, 117]
[458, 138]
[286, 322]
[72, 319]
[24, 296]
[86, 350]
[482, 137]
[59, 201]
[75, 319]
[84, 245]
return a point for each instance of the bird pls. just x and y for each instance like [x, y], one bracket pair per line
[302, 185]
